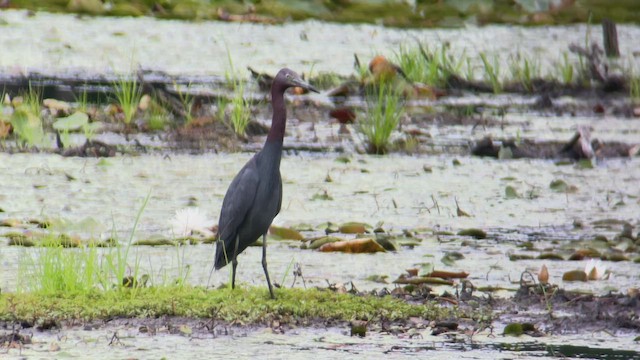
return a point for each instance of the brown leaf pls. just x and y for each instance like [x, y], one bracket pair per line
[365, 245]
[447, 274]
[421, 280]
[543, 275]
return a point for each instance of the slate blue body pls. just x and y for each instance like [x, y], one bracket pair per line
[254, 197]
[252, 202]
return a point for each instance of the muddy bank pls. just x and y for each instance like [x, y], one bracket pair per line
[562, 315]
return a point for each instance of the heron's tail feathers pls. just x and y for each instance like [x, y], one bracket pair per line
[222, 257]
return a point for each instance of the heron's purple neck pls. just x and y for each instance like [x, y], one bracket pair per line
[279, 120]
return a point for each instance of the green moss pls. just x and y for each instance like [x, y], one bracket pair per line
[245, 306]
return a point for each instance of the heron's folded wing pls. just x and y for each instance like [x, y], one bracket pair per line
[238, 200]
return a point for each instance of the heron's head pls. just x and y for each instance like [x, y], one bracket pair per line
[287, 78]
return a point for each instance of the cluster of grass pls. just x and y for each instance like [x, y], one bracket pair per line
[436, 67]
[240, 305]
[127, 94]
[240, 110]
[54, 268]
[432, 67]
[187, 100]
[240, 114]
[384, 109]
[492, 72]
[524, 70]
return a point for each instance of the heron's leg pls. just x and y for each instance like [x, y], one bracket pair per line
[264, 263]
[234, 262]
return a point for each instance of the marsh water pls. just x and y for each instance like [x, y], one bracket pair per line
[392, 189]
[97, 198]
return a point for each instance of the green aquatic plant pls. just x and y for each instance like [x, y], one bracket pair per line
[566, 69]
[157, 116]
[469, 73]
[117, 256]
[524, 70]
[492, 72]
[187, 100]
[634, 89]
[128, 93]
[432, 67]
[221, 108]
[28, 126]
[240, 110]
[32, 99]
[56, 269]
[82, 100]
[385, 106]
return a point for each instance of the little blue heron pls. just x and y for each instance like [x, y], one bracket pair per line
[255, 194]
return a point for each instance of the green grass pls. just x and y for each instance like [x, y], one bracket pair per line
[157, 116]
[524, 70]
[240, 305]
[82, 101]
[187, 100]
[432, 67]
[54, 268]
[566, 70]
[492, 72]
[127, 94]
[634, 89]
[384, 109]
[32, 99]
[240, 110]
[221, 108]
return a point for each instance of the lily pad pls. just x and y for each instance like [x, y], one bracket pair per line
[381, 279]
[353, 228]
[517, 329]
[562, 186]
[574, 275]
[21, 241]
[285, 233]
[317, 243]
[73, 122]
[366, 245]
[10, 223]
[510, 192]
[515, 257]
[550, 256]
[416, 280]
[450, 257]
[154, 242]
[473, 232]
[386, 242]
[448, 274]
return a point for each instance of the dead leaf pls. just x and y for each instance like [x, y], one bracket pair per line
[365, 245]
[543, 275]
[447, 274]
